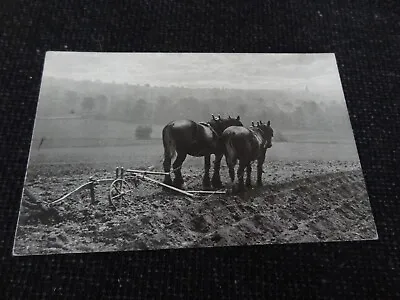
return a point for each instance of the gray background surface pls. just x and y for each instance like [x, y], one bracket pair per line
[364, 36]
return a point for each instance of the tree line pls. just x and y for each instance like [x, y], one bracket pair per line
[308, 112]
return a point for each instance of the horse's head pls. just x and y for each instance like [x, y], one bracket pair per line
[266, 131]
[220, 124]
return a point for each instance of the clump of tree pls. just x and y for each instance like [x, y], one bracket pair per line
[136, 111]
[88, 104]
[143, 132]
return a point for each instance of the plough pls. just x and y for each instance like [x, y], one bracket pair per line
[122, 184]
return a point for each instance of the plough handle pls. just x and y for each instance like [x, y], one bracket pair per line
[86, 185]
[82, 187]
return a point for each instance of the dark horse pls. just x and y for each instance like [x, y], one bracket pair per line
[247, 145]
[186, 137]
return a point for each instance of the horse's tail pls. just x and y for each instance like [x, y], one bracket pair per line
[168, 142]
[229, 148]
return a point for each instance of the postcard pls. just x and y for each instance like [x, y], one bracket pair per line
[149, 151]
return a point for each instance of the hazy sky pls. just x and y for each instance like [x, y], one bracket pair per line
[243, 71]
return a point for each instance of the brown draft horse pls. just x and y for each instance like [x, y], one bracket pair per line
[246, 145]
[186, 137]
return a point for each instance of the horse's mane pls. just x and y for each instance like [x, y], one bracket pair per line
[255, 129]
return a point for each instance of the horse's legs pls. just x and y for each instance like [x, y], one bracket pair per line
[207, 164]
[260, 163]
[178, 180]
[240, 175]
[231, 167]
[248, 179]
[216, 179]
[167, 169]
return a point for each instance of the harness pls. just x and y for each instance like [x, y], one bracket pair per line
[257, 131]
[209, 126]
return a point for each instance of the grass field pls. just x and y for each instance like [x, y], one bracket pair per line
[151, 154]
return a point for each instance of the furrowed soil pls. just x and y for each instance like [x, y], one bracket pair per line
[300, 201]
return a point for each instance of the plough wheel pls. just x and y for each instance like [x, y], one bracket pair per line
[119, 188]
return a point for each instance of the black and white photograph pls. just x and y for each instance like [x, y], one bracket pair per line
[149, 151]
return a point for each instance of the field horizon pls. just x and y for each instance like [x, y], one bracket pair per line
[59, 133]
